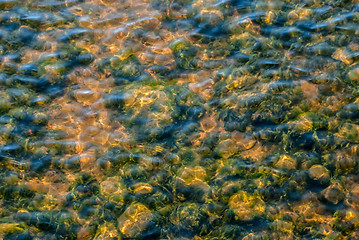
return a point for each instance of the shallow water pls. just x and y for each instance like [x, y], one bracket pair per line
[179, 119]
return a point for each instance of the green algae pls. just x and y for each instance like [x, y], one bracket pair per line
[179, 119]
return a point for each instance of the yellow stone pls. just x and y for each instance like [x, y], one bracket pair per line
[227, 148]
[350, 132]
[318, 172]
[134, 220]
[343, 55]
[107, 231]
[208, 124]
[246, 206]
[142, 188]
[286, 162]
[85, 96]
[189, 175]
[334, 193]
[6, 228]
[304, 124]
[269, 17]
[354, 74]
[351, 215]
[244, 141]
[111, 186]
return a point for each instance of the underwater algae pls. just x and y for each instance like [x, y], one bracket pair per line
[218, 119]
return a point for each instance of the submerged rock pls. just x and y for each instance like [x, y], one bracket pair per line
[334, 193]
[219, 119]
[142, 188]
[319, 173]
[246, 206]
[350, 131]
[286, 162]
[134, 220]
[227, 148]
[85, 96]
[353, 74]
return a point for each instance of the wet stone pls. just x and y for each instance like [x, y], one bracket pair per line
[286, 162]
[283, 33]
[181, 119]
[134, 220]
[56, 69]
[107, 231]
[319, 173]
[113, 189]
[19, 94]
[210, 17]
[179, 44]
[243, 141]
[6, 4]
[322, 49]
[11, 149]
[334, 193]
[74, 34]
[85, 96]
[188, 216]
[119, 100]
[343, 55]
[142, 188]
[72, 163]
[29, 69]
[353, 197]
[40, 164]
[85, 58]
[5, 103]
[345, 163]
[9, 68]
[40, 118]
[350, 111]
[40, 100]
[350, 132]
[26, 34]
[227, 148]
[34, 19]
[246, 206]
[353, 74]
[30, 81]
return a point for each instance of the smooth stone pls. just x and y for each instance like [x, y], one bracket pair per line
[142, 188]
[179, 44]
[227, 148]
[134, 220]
[86, 58]
[11, 148]
[85, 96]
[286, 162]
[40, 100]
[7, 4]
[319, 173]
[246, 206]
[350, 132]
[334, 193]
[353, 74]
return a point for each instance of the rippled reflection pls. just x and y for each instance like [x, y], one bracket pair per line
[158, 119]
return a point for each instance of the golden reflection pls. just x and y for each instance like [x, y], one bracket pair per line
[179, 119]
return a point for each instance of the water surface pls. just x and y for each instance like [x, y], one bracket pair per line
[179, 119]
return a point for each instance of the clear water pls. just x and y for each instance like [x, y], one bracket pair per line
[179, 119]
